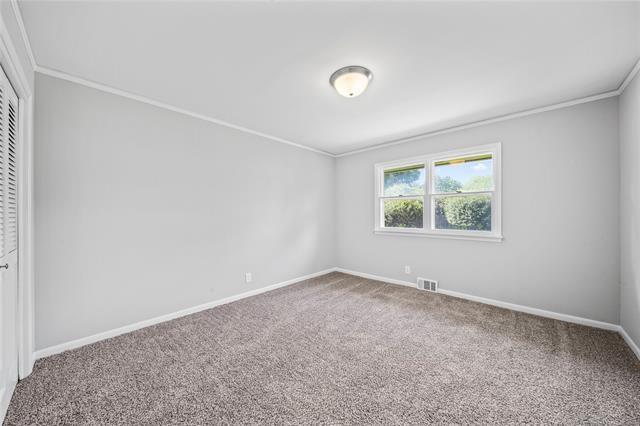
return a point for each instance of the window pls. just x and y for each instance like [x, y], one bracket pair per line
[453, 194]
[403, 196]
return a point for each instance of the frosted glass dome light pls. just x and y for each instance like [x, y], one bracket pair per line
[351, 81]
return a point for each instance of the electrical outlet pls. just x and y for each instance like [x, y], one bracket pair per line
[247, 277]
[407, 269]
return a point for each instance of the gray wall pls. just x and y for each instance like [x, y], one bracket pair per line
[630, 208]
[141, 211]
[560, 216]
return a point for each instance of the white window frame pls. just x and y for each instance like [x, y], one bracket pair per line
[428, 229]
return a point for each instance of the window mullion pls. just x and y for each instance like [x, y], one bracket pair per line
[473, 162]
[426, 205]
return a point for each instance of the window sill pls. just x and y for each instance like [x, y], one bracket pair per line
[435, 234]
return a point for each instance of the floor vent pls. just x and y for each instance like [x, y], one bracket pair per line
[428, 285]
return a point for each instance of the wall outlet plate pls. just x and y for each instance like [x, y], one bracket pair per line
[248, 277]
[407, 269]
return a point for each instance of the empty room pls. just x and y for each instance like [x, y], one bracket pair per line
[319, 212]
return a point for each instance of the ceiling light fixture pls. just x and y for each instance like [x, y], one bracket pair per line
[351, 81]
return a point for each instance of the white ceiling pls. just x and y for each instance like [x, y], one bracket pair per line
[266, 66]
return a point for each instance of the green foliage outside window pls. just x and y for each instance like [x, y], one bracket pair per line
[472, 212]
[403, 213]
[447, 184]
[469, 212]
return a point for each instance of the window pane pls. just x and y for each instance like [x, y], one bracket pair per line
[403, 213]
[465, 174]
[407, 180]
[468, 212]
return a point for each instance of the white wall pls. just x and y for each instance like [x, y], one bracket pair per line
[560, 216]
[630, 208]
[142, 212]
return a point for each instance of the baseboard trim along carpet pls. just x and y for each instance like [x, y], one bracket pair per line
[634, 347]
[52, 350]
[340, 349]
[511, 306]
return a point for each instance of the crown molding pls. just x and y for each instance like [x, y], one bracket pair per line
[492, 120]
[123, 93]
[105, 88]
[629, 77]
[62, 75]
[112, 90]
[484, 122]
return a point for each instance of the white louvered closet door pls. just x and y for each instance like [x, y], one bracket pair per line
[9, 113]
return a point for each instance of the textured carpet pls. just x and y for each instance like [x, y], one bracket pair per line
[340, 349]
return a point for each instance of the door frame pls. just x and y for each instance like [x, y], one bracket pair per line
[10, 62]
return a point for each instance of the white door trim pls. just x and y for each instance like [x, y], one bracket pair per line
[10, 63]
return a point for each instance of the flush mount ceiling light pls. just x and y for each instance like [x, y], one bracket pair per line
[351, 81]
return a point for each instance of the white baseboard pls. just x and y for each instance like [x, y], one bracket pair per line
[634, 347]
[376, 277]
[534, 311]
[519, 308]
[52, 350]
[493, 302]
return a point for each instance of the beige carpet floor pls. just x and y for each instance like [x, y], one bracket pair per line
[340, 349]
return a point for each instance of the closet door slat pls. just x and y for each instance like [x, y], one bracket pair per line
[11, 197]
